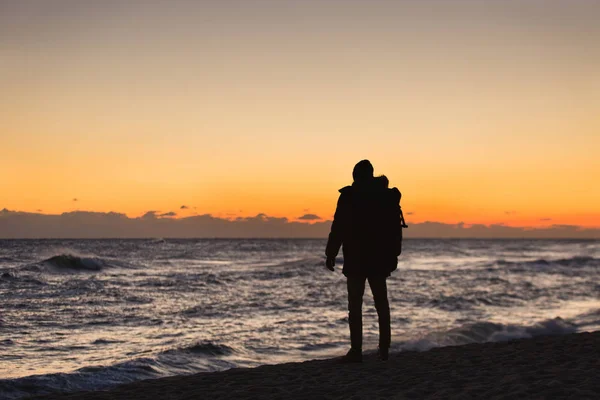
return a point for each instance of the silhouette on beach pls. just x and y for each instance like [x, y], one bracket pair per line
[368, 226]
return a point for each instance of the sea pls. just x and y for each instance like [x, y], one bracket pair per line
[91, 314]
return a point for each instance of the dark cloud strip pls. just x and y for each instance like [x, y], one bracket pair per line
[83, 224]
[309, 217]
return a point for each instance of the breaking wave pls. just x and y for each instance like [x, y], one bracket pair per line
[75, 263]
[483, 332]
[71, 262]
[200, 357]
[205, 348]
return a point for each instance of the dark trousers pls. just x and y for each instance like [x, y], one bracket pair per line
[356, 290]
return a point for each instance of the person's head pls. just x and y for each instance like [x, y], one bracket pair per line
[383, 181]
[362, 171]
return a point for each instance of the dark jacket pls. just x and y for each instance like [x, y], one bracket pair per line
[367, 225]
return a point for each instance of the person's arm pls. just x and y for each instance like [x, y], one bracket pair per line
[336, 235]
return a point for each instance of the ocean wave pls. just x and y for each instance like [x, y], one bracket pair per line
[571, 262]
[13, 278]
[105, 341]
[75, 263]
[205, 348]
[185, 360]
[481, 299]
[483, 332]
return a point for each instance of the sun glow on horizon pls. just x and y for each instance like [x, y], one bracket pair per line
[479, 112]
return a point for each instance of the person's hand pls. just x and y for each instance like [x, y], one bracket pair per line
[330, 263]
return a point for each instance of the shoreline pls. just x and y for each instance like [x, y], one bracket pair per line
[542, 367]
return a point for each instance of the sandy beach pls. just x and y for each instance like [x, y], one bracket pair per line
[545, 367]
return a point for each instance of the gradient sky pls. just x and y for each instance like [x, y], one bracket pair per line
[479, 111]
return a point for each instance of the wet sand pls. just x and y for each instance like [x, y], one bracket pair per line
[542, 368]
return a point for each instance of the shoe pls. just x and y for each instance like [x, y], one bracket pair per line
[383, 353]
[353, 356]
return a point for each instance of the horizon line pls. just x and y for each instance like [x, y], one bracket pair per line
[588, 239]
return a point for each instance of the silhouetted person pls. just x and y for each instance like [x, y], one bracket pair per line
[367, 224]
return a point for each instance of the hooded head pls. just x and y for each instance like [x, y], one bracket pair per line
[383, 181]
[363, 171]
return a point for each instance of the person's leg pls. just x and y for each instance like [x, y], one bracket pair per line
[356, 290]
[379, 289]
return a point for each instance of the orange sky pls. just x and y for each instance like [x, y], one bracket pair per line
[479, 111]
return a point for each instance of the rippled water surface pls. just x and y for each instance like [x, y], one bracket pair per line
[87, 314]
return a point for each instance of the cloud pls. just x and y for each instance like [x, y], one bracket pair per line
[156, 214]
[565, 227]
[410, 213]
[75, 199]
[184, 207]
[262, 217]
[149, 215]
[545, 219]
[431, 229]
[85, 224]
[510, 212]
[309, 217]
